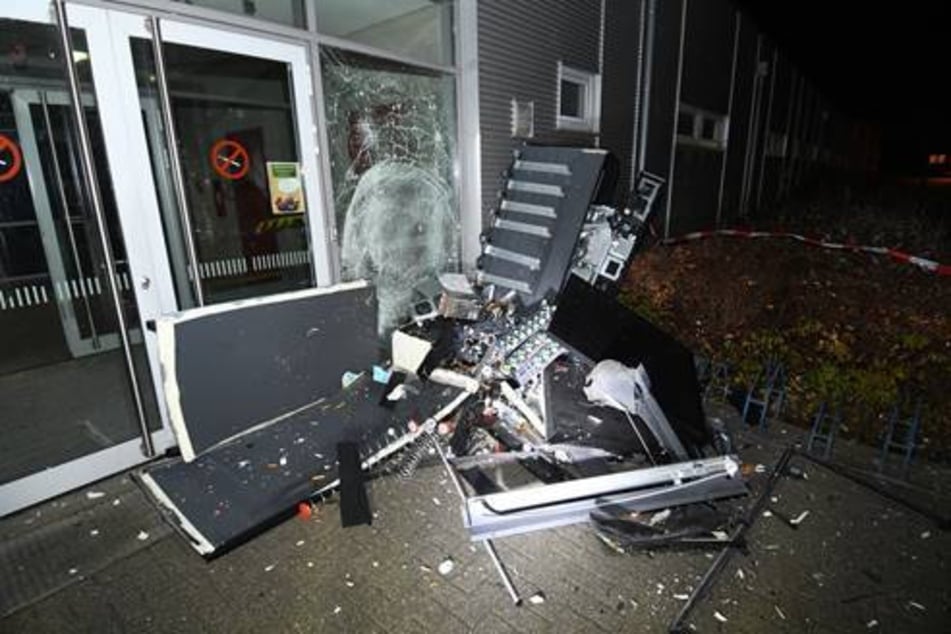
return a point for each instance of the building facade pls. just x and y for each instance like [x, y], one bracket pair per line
[159, 155]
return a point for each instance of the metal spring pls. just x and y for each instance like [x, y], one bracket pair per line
[407, 462]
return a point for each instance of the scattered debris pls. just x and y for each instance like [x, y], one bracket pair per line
[720, 617]
[94, 495]
[337, 609]
[446, 566]
[94, 532]
[926, 535]
[73, 571]
[269, 567]
[872, 623]
[142, 536]
[779, 612]
[916, 605]
[300, 542]
[682, 597]
[538, 598]
[796, 521]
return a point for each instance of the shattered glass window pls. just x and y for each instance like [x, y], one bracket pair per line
[289, 12]
[392, 138]
[419, 29]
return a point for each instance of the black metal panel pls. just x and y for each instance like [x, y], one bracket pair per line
[663, 94]
[598, 327]
[236, 491]
[239, 368]
[708, 55]
[586, 168]
[696, 189]
[619, 84]
[739, 121]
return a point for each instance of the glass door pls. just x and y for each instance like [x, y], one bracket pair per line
[227, 122]
[75, 390]
[201, 147]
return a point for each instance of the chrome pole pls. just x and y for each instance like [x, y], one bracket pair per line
[61, 190]
[171, 141]
[89, 172]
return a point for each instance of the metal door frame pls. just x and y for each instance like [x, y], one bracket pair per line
[48, 482]
[42, 204]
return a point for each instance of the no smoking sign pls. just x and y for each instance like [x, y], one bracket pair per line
[11, 160]
[229, 159]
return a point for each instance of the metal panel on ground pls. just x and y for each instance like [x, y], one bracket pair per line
[240, 489]
[229, 368]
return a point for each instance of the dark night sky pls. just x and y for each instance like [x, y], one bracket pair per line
[890, 62]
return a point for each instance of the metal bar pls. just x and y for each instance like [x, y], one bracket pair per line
[506, 579]
[16, 224]
[61, 190]
[766, 127]
[489, 278]
[673, 140]
[89, 171]
[638, 90]
[515, 257]
[729, 117]
[603, 485]
[754, 512]
[543, 211]
[486, 522]
[542, 189]
[523, 227]
[543, 167]
[646, 94]
[171, 141]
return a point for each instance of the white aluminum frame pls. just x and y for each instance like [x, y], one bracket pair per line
[590, 82]
[39, 486]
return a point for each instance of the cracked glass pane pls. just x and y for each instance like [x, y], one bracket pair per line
[392, 138]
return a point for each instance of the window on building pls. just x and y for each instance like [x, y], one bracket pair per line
[701, 127]
[417, 29]
[579, 100]
[289, 12]
[392, 137]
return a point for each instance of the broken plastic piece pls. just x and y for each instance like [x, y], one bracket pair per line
[409, 352]
[446, 566]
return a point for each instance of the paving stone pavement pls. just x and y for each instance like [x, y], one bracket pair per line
[856, 564]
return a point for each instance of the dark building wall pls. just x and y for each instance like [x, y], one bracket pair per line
[708, 54]
[619, 87]
[520, 44]
[778, 138]
[740, 121]
[705, 84]
[661, 106]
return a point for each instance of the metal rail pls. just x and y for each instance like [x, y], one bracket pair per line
[61, 190]
[89, 173]
[171, 142]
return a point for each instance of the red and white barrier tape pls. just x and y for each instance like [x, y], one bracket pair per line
[926, 265]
